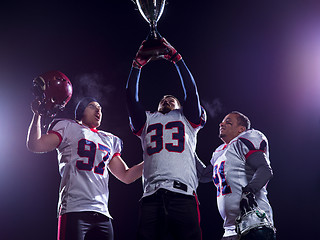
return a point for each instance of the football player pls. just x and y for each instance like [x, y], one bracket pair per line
[84, 154]
[168, 137]
[241, 171]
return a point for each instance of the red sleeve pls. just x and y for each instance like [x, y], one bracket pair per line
[58, 134]
[116, 154]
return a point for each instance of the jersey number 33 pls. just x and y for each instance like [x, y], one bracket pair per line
[157, 137]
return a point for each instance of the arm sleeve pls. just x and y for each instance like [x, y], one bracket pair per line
[117, 148]
[58, 127]
[191, 105]
[118, 145]
[204, 172]
[263, 172]
[136, 111]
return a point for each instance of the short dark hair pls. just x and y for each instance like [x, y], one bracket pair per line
[242, 119]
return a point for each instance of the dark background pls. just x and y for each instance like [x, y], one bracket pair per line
[258, 57]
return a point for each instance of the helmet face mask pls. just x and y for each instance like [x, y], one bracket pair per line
[54, 90]
[255, 224]
[263, 233]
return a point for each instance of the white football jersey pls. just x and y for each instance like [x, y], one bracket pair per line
[169, 142]
[83, 157]
[230, 174]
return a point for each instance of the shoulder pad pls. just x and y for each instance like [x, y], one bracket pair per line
[254, 140]
[56, 120]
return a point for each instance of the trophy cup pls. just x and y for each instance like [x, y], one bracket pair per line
[151, 10]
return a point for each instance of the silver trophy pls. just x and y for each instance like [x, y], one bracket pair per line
[151, 10]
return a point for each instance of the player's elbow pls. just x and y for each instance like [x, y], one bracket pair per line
[128, 180]
[34, 147]
[267, 172]
[30, 146]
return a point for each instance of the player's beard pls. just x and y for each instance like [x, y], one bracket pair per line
[165, 108]
[221, 135]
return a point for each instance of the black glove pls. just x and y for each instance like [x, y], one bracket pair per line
[247, 202]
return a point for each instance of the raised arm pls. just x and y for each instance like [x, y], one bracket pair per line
[37, 142]
[191, 105]
[136, 110]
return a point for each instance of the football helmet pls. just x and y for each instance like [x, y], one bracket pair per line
[54, 90]
[255, 224]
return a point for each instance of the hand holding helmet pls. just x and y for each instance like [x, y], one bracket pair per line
[247, 202]
[52, 91]
[35, 105]
[253, 222]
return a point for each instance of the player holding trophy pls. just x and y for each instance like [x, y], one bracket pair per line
[168, 137]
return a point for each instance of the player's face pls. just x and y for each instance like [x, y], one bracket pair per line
[229, 128]
[92, 115]
[168, 104]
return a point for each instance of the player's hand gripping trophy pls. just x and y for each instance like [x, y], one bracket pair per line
[155, 46]
[162, 50]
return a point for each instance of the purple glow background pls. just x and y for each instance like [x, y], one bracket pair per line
[259, 57]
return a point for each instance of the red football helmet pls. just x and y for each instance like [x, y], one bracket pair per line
[54, 90]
